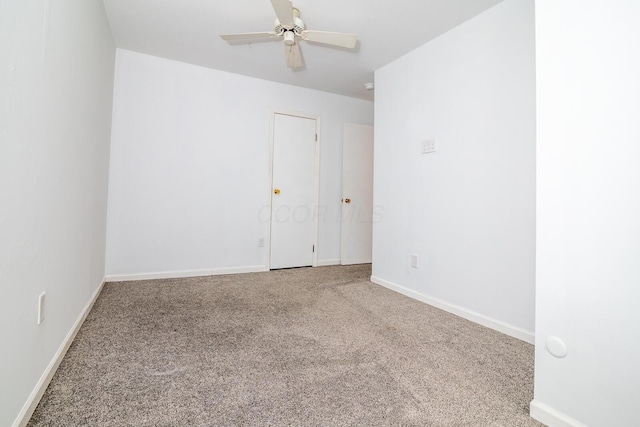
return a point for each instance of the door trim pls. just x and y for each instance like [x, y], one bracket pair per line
[316, 196]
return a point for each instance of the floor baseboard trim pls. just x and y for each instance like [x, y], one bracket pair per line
[550, 417]
[41, 386]
[505, 328]
[185, 273]
[328, 262]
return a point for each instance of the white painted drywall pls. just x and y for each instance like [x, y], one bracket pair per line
[56, 85]
[468, 210]
[189, 166]
[588, 219]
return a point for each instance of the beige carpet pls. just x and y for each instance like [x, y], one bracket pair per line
[308, 347]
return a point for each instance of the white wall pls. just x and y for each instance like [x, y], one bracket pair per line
[468, 210]
[56, 86]
[588, 219]
[189, 166]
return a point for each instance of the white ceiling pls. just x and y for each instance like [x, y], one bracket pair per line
[188, 31]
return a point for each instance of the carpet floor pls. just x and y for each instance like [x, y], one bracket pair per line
[304, 347]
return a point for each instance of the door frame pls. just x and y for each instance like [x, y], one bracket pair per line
[316, 198]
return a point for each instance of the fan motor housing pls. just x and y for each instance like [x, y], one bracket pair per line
[298, 26]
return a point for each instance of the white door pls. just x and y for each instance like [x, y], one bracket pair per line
[293, 192]
[357, 193]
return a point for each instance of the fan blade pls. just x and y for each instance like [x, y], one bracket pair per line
[293, 55]
[247, 36]
[284, 12]
[335, 39]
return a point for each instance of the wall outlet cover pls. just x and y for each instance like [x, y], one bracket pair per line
[41, 307]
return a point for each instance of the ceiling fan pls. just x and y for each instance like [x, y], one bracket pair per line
[290, 27]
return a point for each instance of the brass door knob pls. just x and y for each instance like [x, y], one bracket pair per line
[276, 191]
[347, 200]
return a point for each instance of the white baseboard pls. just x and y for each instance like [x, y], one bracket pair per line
[41, 386]
[550, 417]
[184, 273]
[327, 262]
[481, 319]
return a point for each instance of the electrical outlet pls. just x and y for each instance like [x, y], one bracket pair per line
[261, 242]
[414, 261]
[41, 307]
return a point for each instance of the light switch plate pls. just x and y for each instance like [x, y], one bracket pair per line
[428, 146]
